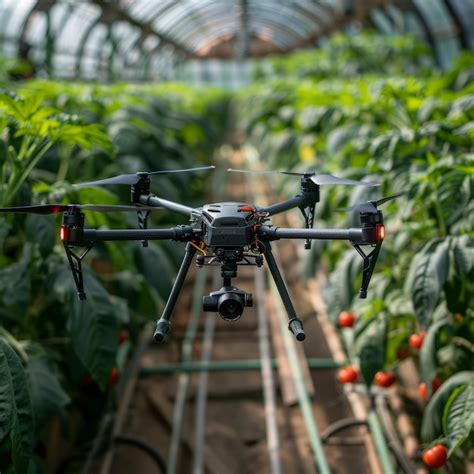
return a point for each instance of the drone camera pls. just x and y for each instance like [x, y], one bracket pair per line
[229, 302]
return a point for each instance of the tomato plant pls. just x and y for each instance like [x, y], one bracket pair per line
[56, 353]
[408, 132]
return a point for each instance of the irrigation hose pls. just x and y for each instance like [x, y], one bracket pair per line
[393, 440]
[145, 447]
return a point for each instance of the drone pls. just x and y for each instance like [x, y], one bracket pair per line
[225, 234]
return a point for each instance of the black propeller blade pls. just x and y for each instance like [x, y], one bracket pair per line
[57, 208]
[370, 207]
[132, 179]
[319, 179]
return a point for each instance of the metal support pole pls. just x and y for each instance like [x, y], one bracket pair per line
[314, 363]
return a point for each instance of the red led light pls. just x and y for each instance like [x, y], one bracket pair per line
[63, 233]
[380, 232]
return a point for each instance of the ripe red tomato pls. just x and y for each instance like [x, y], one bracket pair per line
[123, 336]
[436, 456]
[113, 377]
[435, 384]
[416, 340]
[385, 379]
[346, 319]
[348, 374]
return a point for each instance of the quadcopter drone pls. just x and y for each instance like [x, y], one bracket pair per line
[225, 234]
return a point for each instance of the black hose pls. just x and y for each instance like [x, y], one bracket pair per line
[138, 443]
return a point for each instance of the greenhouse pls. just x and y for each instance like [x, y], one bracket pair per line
[237, 236]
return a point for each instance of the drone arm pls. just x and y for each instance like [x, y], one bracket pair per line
[298, 201]
[152, 200]
[275, 233]
[180, 233]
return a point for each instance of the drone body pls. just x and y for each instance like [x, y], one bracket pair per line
[226, 234]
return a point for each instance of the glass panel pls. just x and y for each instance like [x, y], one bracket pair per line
[76, 26]
[381, 21]
[36, 28]
[19, 11]
[436, 15]
[95, 41]
[466, 14]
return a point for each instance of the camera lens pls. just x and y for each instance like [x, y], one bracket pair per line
[230, 307]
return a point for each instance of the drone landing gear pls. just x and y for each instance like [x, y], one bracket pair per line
[75, 262]
[295, 325]
[369, 261]
[163, 324]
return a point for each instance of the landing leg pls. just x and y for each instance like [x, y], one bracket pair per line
[163, 324]
[295, 324]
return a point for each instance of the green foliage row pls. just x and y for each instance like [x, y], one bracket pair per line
[54, 350]
[412, 134]
[348, 56]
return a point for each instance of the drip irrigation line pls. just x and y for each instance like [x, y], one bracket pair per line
[380, 442]
[209, 328]
[145, 447]
[200, 417]
[268, 382]
[393, 440]
[184, 377]
[298, 378]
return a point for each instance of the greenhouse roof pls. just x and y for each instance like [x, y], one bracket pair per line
[134, 38]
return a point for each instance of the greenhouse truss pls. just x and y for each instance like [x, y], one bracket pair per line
[169, 39]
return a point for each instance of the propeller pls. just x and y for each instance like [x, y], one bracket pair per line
[370, 207]
[319, 179]
[57, 208]
[132, 179]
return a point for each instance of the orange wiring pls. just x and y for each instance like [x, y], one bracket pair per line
[200, 248]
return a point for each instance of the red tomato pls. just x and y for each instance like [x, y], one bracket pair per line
[123, 336]
[436, 456]
[416, 340]
[348, 374]
[435, 384]
[385, 379]
[346, 319]
[113, 377]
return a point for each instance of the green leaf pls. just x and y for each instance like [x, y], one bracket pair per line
[15, 284]
[342, 282]
[6, 396]
[47, 396]
[93, 328]
[431, 272]
[370, 348]
[458, 419]
[41, 230]
[432, 422]
[21, 421]
[463, 255]
[155, 266]
[428, 352]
